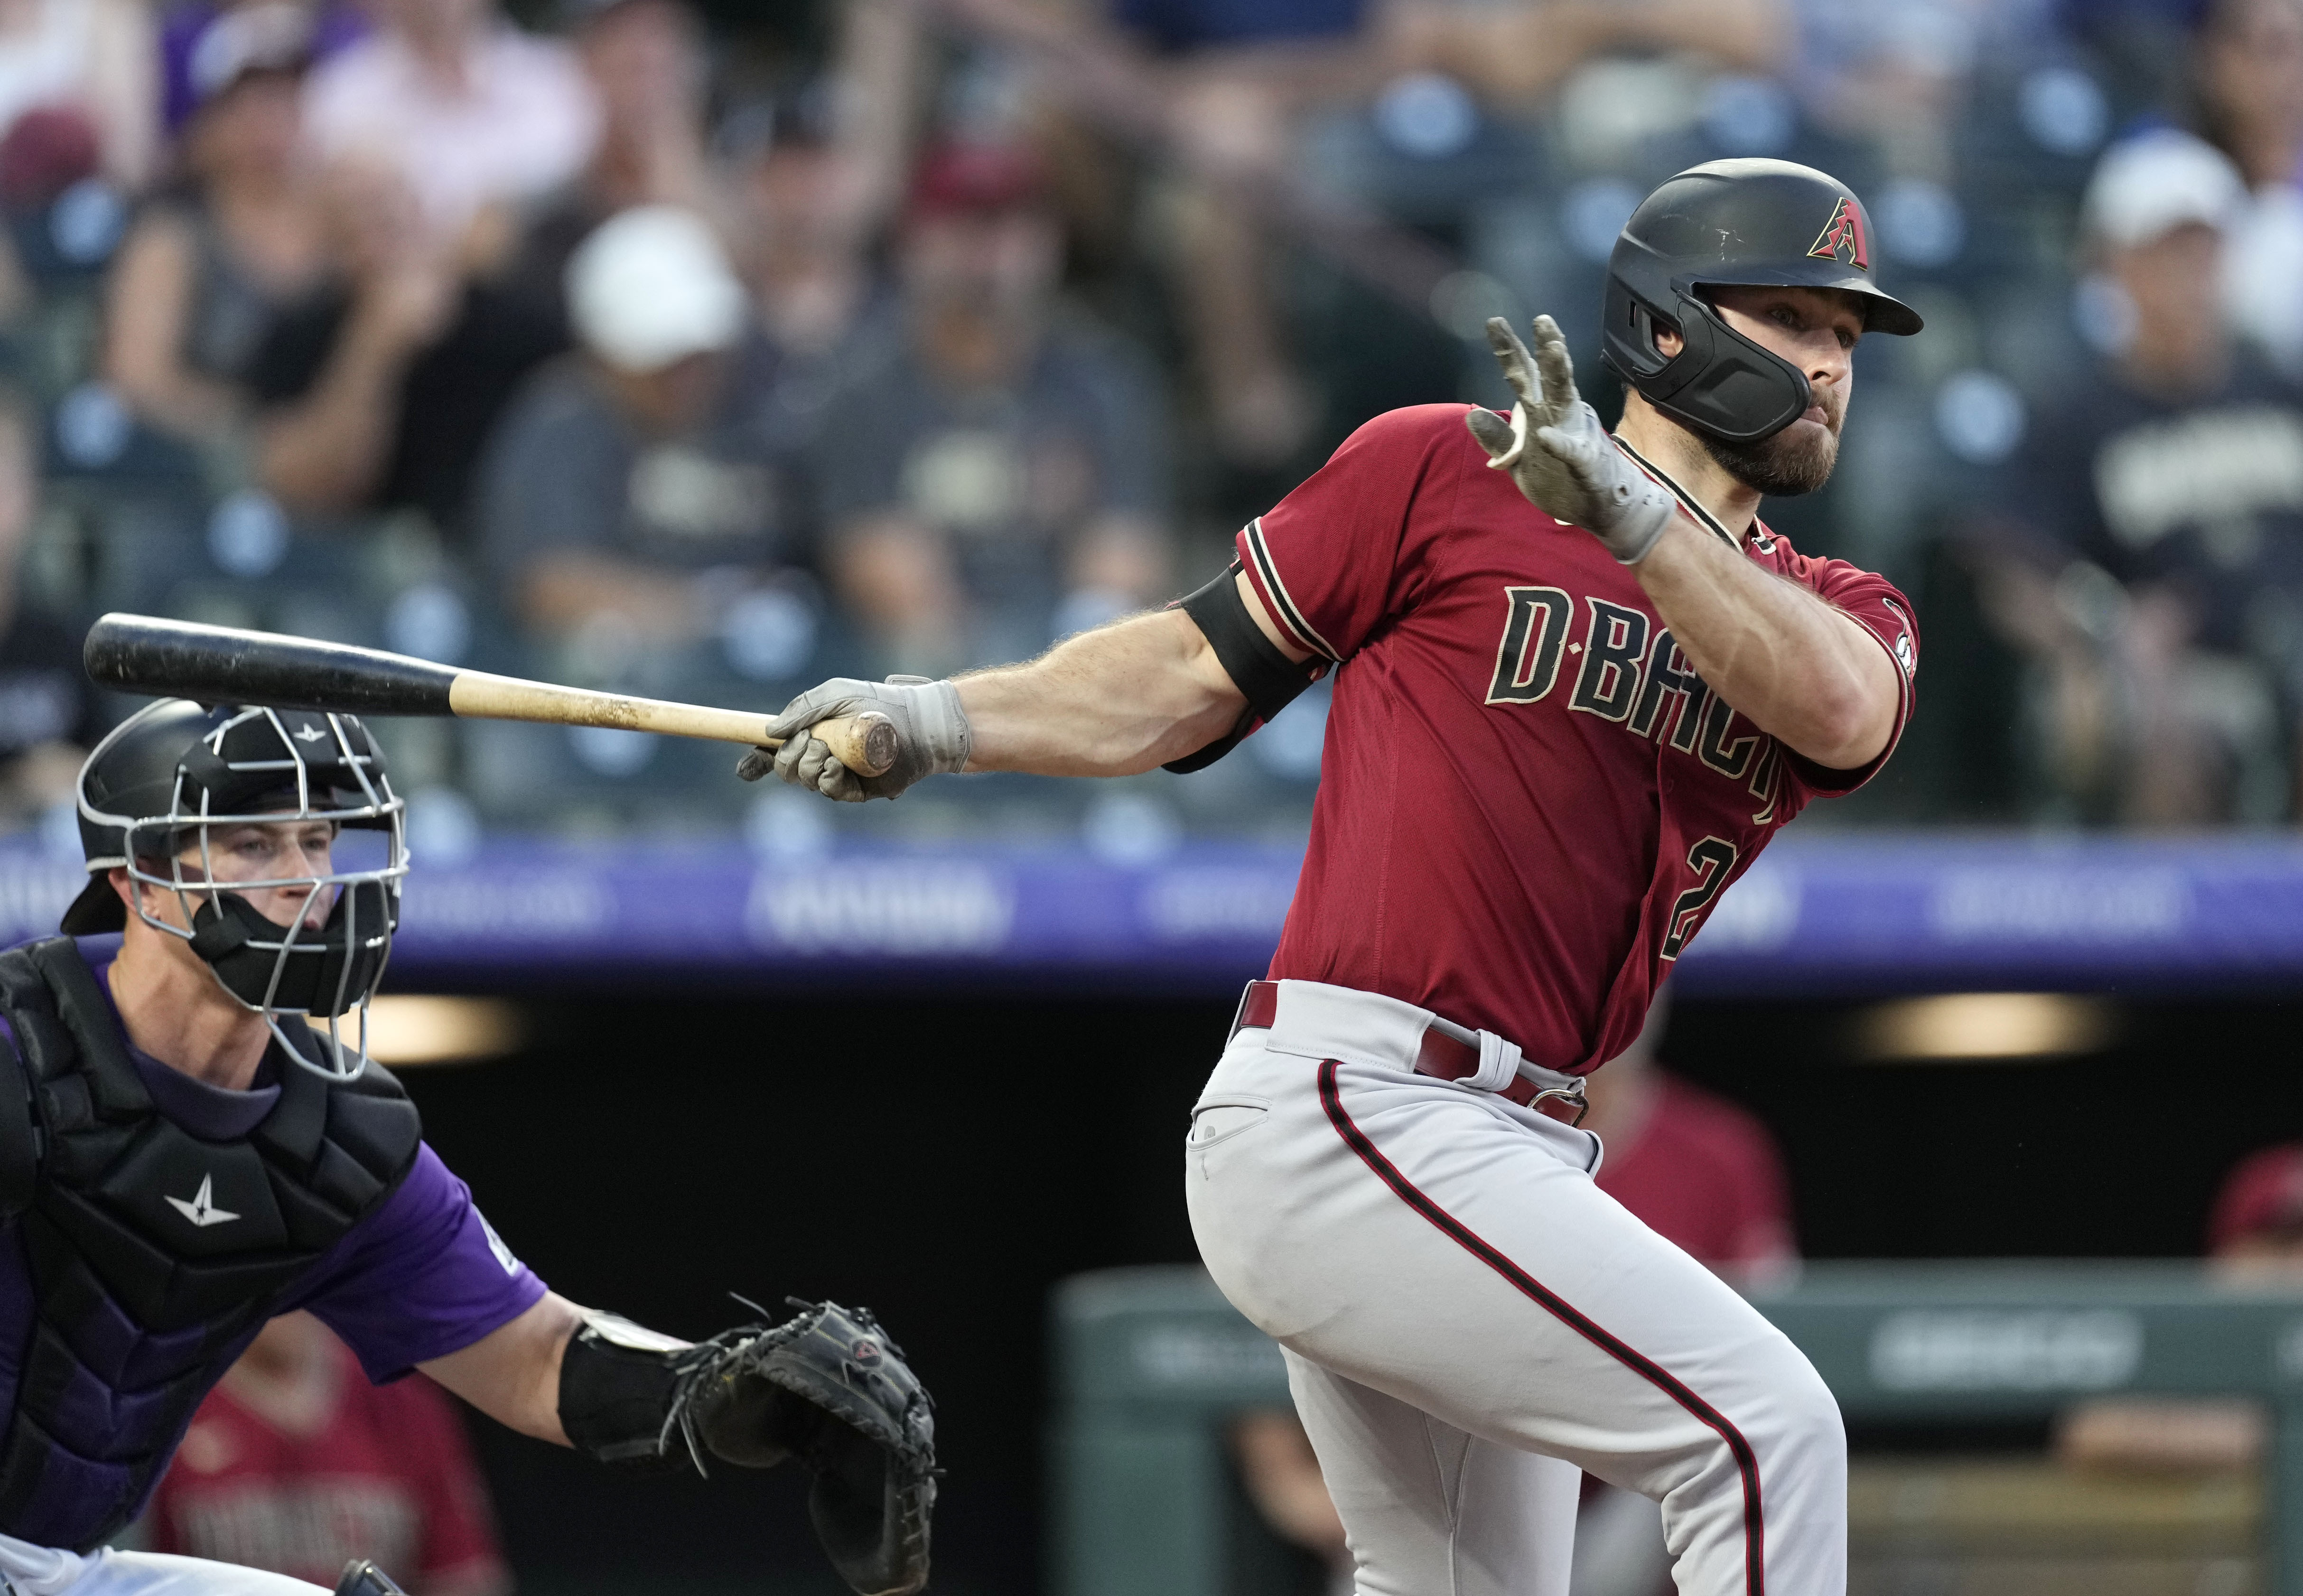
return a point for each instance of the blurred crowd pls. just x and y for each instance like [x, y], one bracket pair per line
[702, 353]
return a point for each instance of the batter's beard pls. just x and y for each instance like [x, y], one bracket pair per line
[1782, 465]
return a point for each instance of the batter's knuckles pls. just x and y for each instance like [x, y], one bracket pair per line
[1500, 336]
[1511, 354]
[1562, 444]
[837, 696]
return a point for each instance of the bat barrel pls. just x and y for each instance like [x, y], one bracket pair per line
[222, 664]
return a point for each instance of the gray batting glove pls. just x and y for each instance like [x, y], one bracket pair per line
[1560, 457]
[932, 733]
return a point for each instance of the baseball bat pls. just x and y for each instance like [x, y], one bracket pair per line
[222, 664]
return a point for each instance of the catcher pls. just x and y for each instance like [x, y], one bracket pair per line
[183, 1156]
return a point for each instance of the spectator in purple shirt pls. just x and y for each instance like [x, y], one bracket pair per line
[183, 1157]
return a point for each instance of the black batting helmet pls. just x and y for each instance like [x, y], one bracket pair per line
[1761, 222]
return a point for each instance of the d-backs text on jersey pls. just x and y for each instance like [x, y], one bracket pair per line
[1630, 672]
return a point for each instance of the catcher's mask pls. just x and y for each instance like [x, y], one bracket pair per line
[1759, 223]
[170, 778]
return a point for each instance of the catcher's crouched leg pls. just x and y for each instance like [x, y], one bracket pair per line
[826, 1385]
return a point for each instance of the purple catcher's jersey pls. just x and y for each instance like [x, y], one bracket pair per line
[422, 1276]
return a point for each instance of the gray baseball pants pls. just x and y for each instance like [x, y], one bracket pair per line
[1468, 1321]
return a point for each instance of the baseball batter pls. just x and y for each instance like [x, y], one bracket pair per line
[1579, 686]
[192, 1140]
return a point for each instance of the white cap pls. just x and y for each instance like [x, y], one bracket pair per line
[274, 35]
[2148, 186]
[652, 285]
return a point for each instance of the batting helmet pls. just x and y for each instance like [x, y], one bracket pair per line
[155, 787]
[1767, 224]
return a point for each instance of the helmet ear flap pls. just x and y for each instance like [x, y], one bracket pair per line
[1646, 325]
[1720, 383]
[1627, 339]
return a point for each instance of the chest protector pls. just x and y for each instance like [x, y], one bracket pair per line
[154, 1254]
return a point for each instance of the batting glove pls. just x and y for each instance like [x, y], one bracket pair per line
[1560, 457]
[932, 736]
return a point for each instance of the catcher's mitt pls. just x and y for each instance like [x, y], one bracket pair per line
[828, 1385]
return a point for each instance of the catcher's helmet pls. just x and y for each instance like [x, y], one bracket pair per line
[1767, 224]
[153, 789]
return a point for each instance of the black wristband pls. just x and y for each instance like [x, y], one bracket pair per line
[618, 1396]
[1267, 678]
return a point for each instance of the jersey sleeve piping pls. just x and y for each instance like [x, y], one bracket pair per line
[1687, 501]
[1277, 601]
[1826, 782]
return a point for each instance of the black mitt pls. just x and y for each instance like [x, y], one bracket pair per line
[828, 1385]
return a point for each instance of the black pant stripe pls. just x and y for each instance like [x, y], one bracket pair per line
[1747, 1462]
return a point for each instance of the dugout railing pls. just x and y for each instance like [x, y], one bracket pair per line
[1150, 1362]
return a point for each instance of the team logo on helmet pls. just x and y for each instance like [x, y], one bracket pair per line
[1842, 238]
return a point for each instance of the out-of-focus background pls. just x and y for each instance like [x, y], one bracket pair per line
[706, 348]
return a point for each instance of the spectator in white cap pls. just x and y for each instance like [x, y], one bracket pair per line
[2156, 213]
[2154, 573]
[652, 295]
[629, 506]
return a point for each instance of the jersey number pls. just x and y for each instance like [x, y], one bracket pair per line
[1713, 860]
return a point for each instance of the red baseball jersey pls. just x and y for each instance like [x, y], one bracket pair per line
[390, 1476]
[1528, 800]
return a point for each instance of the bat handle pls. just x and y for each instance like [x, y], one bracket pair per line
[865, 743]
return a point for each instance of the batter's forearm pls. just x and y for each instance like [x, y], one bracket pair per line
[1114, 702]
[1797, 668]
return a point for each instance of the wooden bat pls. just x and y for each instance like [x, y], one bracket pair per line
[222, 664]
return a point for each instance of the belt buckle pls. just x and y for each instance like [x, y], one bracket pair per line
[1573, 1095]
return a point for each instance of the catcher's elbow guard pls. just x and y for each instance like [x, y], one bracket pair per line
[620, 1392]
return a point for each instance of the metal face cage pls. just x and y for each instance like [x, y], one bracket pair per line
[327, 769]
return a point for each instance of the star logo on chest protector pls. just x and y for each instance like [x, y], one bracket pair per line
[202, 1210]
